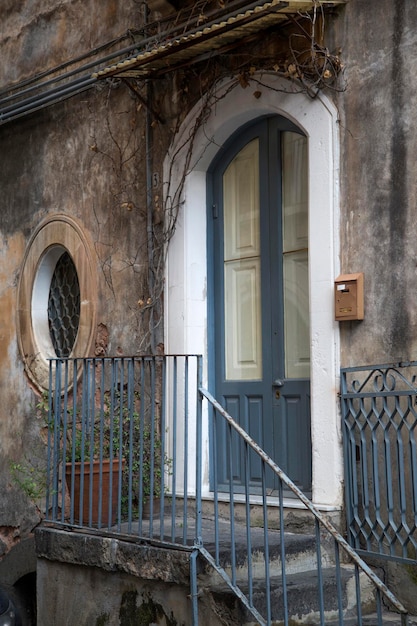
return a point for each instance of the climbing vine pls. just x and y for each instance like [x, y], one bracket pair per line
[297, 53]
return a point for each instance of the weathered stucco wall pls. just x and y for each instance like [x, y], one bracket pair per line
[37, 35]
[84, 158]
[64, 163]
[107, 598]
[378, 191]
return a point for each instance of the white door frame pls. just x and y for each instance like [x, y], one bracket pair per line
[186, 269]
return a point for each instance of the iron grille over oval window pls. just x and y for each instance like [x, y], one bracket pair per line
[64, 306]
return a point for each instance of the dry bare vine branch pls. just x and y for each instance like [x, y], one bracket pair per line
[308, 65]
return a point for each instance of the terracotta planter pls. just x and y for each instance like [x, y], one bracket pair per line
[108, 492]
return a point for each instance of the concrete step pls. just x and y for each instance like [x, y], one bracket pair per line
[301, 576]
[300, 552]
[302, 597]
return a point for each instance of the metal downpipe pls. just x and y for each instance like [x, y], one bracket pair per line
[149, 208]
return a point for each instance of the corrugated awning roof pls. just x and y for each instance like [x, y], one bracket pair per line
[173, 50]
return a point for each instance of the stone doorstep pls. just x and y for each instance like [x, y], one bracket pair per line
[296, 520]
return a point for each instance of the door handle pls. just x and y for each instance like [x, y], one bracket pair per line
[278, 383]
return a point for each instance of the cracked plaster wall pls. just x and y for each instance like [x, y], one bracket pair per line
[378, 174]
[83, 158]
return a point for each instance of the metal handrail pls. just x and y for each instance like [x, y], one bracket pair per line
[321, 520]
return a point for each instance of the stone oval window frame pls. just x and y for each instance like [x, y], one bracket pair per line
[53, 236]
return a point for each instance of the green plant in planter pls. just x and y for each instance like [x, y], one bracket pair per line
[119, 432]
[147, 466]
[94, 438]
[146, 463]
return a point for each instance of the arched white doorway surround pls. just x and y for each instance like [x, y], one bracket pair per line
[186, 271]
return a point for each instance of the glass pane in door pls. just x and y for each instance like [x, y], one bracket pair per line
[242, 267]
[295, 255]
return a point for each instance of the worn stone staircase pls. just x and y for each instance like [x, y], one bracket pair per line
[157, 570]
[302, 582]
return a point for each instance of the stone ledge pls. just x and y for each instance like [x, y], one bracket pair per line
[145, 561]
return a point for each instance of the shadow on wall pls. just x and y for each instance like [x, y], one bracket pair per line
[18, 585]
[146, 614]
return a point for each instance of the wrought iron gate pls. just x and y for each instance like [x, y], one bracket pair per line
[379, 413]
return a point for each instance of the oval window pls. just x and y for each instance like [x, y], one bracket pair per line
[64, 306]
[57, 297]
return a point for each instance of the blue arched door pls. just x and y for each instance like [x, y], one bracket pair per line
[259, 300]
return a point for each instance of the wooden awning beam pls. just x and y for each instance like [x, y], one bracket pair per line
[172, 50]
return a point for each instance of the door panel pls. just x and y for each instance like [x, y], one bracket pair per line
[259, 295]
[296, 322]
[295, 417]
[243, 348]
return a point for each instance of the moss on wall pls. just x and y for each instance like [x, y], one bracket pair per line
[149, 612]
